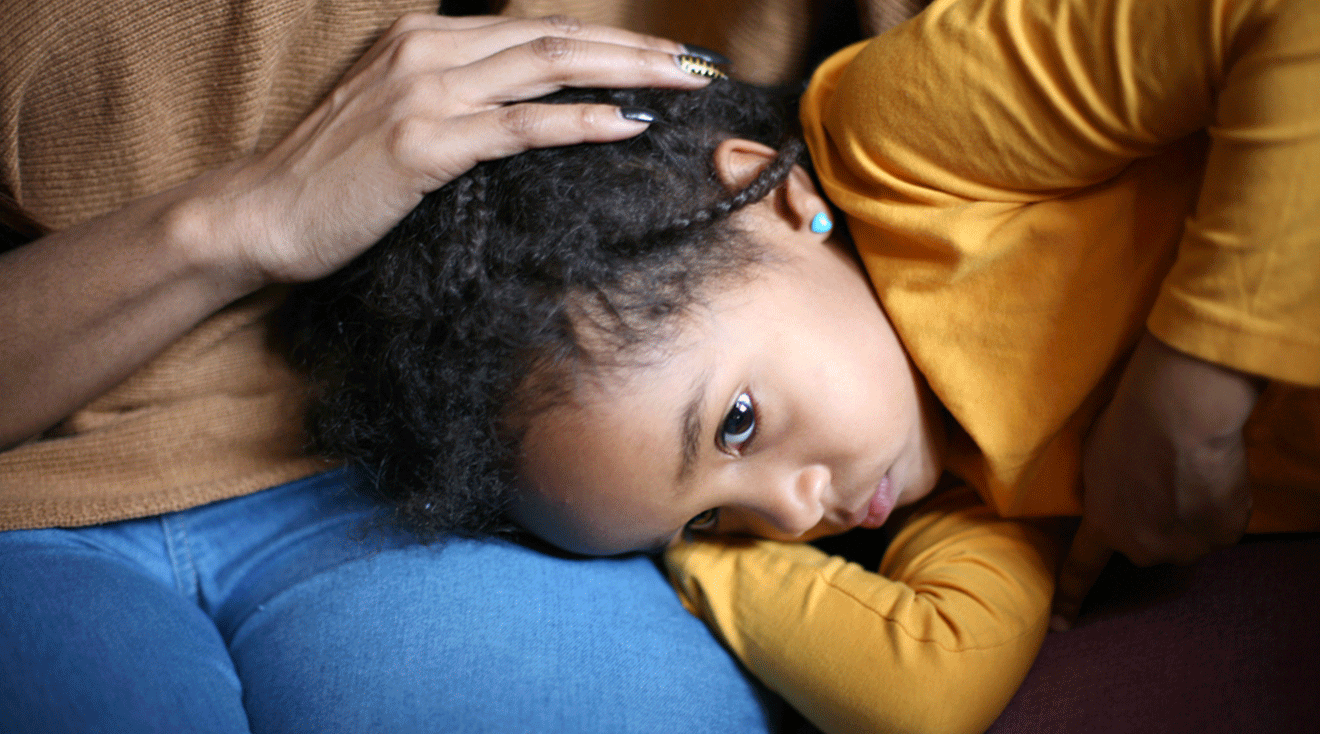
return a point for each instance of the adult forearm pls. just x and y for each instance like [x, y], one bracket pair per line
[85, 307]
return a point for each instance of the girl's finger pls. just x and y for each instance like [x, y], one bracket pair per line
[1087, 557]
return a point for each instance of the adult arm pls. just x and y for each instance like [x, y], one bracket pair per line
[86, 306]
[938, 640]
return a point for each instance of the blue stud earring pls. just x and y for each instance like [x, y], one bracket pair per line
[821, 224]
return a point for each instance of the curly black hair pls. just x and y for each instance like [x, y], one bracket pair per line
[430, 353]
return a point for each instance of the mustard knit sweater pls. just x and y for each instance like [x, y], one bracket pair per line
[105, 102]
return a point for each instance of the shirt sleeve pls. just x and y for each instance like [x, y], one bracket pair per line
[938, 640]
[1245, 288]
[979, 109]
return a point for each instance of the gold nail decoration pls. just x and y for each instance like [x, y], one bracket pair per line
[700, 67]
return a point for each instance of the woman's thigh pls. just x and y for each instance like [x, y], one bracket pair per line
[91, 643]
[294, 610]
[488, 636]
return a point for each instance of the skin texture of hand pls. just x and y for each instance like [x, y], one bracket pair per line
[87, 306]
[431, 98]
[1164, 469]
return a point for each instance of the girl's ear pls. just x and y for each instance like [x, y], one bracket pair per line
[737, 161]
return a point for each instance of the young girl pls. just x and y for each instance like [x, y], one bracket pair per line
[608, 346]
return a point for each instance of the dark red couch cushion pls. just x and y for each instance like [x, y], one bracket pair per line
[1230, 644]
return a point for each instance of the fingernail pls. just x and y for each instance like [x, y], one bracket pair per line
[639, 114]
[698, 67]
[705, 54]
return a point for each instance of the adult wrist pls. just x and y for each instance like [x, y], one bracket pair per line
[211, 233]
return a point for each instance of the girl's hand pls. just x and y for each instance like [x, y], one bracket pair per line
[1164, 469]
[431, 98]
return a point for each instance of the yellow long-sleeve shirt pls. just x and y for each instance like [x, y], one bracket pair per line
[1030, 184]
[937, 641]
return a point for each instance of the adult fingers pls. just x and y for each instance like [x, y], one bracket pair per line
[443, 149]
[1087, 557]
[414, 23]
[510, 32]
[550, 63]
[433, 42]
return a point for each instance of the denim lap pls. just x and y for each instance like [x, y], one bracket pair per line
[296, 609]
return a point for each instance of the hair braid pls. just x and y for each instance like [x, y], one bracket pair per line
[766, 181]
[430, 354]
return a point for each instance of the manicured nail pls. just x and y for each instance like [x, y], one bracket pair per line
[698, 67]
[705, 54]
[639, 114]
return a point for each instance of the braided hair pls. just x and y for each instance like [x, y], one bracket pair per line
[430, 353]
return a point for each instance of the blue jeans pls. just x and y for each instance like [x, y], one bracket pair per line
[297, 610]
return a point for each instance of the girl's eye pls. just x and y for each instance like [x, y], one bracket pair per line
[739, 425]
[705, 521]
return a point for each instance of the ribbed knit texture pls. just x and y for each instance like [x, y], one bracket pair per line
[105, 102]
[766, 39]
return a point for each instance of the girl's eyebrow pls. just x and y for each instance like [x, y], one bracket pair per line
[690, 429]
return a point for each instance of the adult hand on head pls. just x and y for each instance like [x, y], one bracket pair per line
[86, 306]
[431, 98]
[1164, 469]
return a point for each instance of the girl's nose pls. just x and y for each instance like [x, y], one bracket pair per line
[798, 504]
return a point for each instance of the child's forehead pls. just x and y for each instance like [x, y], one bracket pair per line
[727, 330]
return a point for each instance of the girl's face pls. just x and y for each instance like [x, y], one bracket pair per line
[786, 408]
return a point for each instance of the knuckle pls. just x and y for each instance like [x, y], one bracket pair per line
[1226, 534]
[409, 22]
[406, 140]
[565, 24]
[648, 60]
[519, 120]
[410, 50]
[589, 117]
[412, 97]
[438, 93]
[551, 49]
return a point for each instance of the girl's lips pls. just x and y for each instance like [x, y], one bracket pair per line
[882, 503]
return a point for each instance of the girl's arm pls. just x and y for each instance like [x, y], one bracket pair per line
[974, 140]
[939, 640]
[1165, 470]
